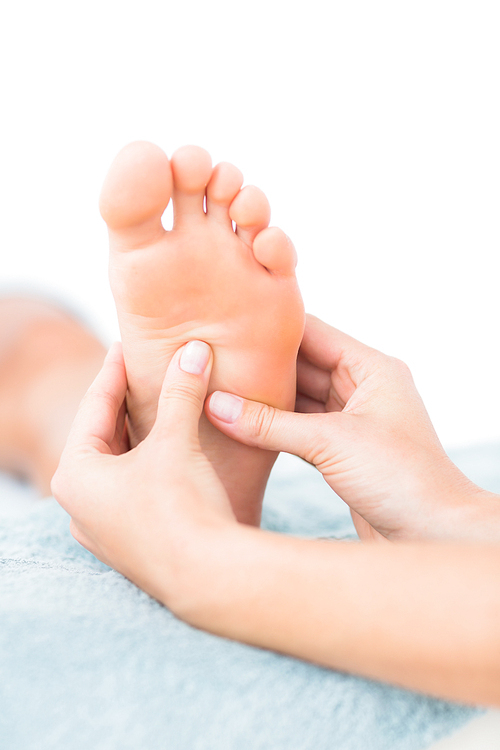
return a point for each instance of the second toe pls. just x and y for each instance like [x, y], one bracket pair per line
[191, 169]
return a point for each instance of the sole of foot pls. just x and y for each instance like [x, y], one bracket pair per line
[48, 359]
[221, 275]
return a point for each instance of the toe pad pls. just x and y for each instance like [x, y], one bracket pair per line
[274, 250]
[138, 186]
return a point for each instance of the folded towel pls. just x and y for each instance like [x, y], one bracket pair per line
[90, 661]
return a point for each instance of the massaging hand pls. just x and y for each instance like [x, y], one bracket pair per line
[366, 429]
[144, 512]
[159, 515]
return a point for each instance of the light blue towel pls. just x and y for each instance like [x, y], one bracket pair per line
[89, 662]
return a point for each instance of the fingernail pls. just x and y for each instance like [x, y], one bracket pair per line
[194, 357]
[225, 406]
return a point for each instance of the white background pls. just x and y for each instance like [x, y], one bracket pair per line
[372, 126]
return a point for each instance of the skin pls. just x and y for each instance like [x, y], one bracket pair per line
[421, 611]
[47, 361]
[233, 288]
[366, 429]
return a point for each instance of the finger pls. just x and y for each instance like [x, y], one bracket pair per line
[95, 423]
[312, 381]
[333, 389]
[120, 443]
[183, 393]
[328, 348]
[263, 426]
[307, 405]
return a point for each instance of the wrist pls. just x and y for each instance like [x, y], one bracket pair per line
[459, 510]
[204, 568]
[475, 517]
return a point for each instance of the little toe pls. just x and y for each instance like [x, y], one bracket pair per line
[224, 185]
[251, 212]
[274, 250]
[192, 169]
[136, 192]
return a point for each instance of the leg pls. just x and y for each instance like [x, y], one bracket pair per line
[234, 289]
[47, 361]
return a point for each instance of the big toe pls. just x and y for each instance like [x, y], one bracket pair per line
[192, 169]
[274, 250]
[136, 192]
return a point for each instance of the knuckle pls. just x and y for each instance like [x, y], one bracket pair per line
[261, 421]
[385, 362]
[57, 484]
[67, 480]
[107, 401]
[184, 392]
[400, 367]
[61, 484]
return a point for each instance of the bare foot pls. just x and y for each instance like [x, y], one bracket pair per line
[236, 290]
[47, 361]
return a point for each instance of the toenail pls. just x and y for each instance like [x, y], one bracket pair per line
[225, 406]
[194, 357]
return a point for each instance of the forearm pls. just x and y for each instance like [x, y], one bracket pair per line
[423, 616]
